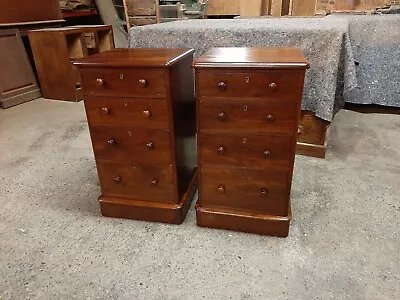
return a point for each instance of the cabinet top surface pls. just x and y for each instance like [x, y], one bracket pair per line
[289, 58]
[135, 57]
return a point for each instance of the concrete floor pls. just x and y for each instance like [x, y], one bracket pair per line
[344, 240]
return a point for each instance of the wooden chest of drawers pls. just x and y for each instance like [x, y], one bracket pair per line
[141, 113]
[248, 109]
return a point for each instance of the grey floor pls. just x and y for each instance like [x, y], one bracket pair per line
[344, 241]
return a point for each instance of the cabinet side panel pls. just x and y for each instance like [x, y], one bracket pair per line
[184, 113]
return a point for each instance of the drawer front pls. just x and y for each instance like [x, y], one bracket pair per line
[140, 145]
[266, 152]
[136, 112]
[124, 82]
[272, 84]
[259, 117]
[245, 190]
[148, 183]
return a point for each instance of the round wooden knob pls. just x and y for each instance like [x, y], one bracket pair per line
[273, 86]
[147, 113]
[151, 145]
[222, 86]
[106, 110]
[270, 118]
[222, 116]
[264, 191]
[154, 182]
[112, 142]
[117, 179]
[99, 82]
[267, 153]
[143, 83]
[221, 189]
[221, 150]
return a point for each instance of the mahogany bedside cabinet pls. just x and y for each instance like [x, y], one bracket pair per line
[140, 108]
[248, 110]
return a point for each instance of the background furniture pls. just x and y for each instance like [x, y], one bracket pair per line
[141, 114]
[17, 80]
[141, 12]
[55, 49]
[248, 109]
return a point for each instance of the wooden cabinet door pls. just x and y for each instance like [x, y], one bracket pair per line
[17, 81]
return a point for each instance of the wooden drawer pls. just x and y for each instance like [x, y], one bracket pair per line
[124, 82]
[266, 152]
[140, 145]
[149, 183]
[259, 117]
[136, 112]
[271, 85]
[245, 190]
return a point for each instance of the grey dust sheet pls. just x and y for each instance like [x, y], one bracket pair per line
[326, 43]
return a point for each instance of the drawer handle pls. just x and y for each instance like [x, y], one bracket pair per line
[273, 86]
[99, 82]
[270, 118]
[143, 83]
[112, 142]
[267, 153]
[222, 116]
[264, 191]
[151, 145]
[117, 179]
[147, 113]
[106, 110]
[221, 189]
[222, 86]
[221, 150]
[154, 182]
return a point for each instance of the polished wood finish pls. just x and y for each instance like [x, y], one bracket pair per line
[250, 116]
[142, 120]
[55, 49]
[141, 112]
[312, 135]
[126, 82]
[17, 80]
[248, 110]
[23, 11]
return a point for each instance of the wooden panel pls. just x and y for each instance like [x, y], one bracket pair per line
[125, 143]
[141, 7]
[258, 117]
[143, 113]
[149, 183]
[245, 190]
[17, 81]
[223, 7]
[266, 7]
[272, 85]
[280, 7]
[265, 152]
[358, 4]
[304, 7]
[29, 11]
[250, 8]
[345, 4]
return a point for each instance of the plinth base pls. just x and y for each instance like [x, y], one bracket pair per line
[238, 221]
[149, 211]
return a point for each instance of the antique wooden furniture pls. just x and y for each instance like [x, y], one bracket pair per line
[141, 12]
[28, 11]
[248, 109]
[17, 80]
[141, 112]
[54, 50]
